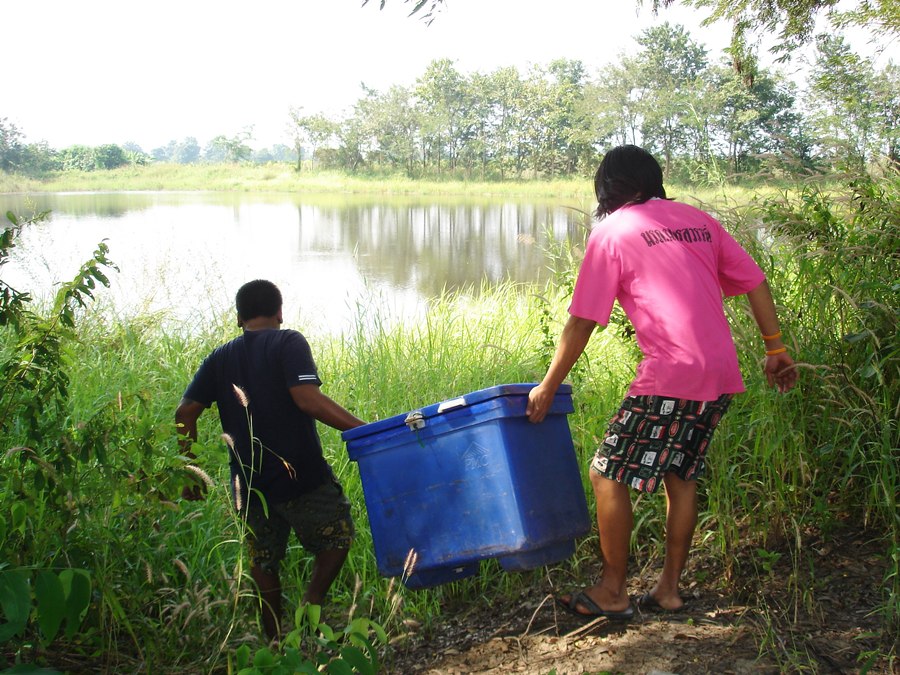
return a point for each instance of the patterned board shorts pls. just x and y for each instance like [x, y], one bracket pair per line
[321, 519]
[654, 435]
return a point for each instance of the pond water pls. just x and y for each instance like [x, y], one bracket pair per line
[183, 255]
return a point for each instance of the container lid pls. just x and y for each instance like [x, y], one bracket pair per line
[434, 409]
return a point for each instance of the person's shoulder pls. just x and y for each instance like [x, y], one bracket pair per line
[217, 359]
[290, 334]
[225, 347]
[682, 208]
[617, 224]
[288, 338]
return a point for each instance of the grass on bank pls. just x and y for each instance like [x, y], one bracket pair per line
[274, 177]
[283, 177]
[170, 585]
[175, 570]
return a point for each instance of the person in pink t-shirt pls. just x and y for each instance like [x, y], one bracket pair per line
[668, 265]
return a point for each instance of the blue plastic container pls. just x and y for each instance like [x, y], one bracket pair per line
[469, 479]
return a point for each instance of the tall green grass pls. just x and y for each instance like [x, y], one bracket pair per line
[98, 487]
[826, 455]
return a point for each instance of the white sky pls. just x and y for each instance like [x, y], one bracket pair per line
[112, 71]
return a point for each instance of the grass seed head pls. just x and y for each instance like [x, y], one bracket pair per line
[410, 565]
[182, 567]
[202, 475]
[241, 396]
[238, 502]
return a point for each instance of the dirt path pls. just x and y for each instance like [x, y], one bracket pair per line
[748, 628]
[646, 645]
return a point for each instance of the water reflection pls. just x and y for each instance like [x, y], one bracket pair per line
[430, 247]
[188, 252]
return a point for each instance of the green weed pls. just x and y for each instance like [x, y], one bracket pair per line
[91, 468]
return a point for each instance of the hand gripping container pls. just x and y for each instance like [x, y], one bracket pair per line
[469, 479]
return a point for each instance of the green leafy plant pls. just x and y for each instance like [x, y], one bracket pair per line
[767, 560]
[33, 379]
[314, 647]
[33, 398]
[53, 598]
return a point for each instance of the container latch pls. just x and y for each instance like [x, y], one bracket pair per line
[415, 420]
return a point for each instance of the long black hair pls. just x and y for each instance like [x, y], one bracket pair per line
[627, 175]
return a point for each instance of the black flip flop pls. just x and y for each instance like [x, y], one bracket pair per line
[594, 610]
[647, 603]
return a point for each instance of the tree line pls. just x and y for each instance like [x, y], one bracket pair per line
[35, 159]
[704, 119]
[698, 116]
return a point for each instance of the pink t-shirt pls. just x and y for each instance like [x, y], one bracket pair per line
[669, 264]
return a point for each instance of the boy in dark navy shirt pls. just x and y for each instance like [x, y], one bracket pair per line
[266, 388]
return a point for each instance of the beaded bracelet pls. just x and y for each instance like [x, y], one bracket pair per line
[773, 352]
[771, 337]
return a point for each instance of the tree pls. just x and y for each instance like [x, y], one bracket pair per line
[282, 153]
[668, 72]
[38, 158]
[472, 153]
[616, 118]
[882, 16]
[164, 153]
[11, 145]
[186, 152]
[555, 119]
[393, 122]
[17, 156]
[887, 112]
[352, 142]
[571, 147]
[751, 119]
[504, 93]
[135, 154]
[320, 131]
[443, 94]
[234, 148]
[262, 156]
[792, 20]
[533, 132]
[842, 102]
[427, 9]
[313, 130]
[109, 156]
[78, 158]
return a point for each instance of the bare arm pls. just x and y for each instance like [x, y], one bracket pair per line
[574, 338]
[186, 415]
[779, 367]
[310, 399]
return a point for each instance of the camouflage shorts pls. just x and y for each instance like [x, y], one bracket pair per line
[321, 520]
[654, 435]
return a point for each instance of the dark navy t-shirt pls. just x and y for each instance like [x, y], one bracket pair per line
[285, 458]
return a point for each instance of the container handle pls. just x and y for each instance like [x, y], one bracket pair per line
[415, 420]
[451, 404]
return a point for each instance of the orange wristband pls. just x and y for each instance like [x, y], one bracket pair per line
[771, 337]
[773, 352]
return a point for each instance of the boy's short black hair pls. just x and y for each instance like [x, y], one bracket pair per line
[257, 298]
[627, 175]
